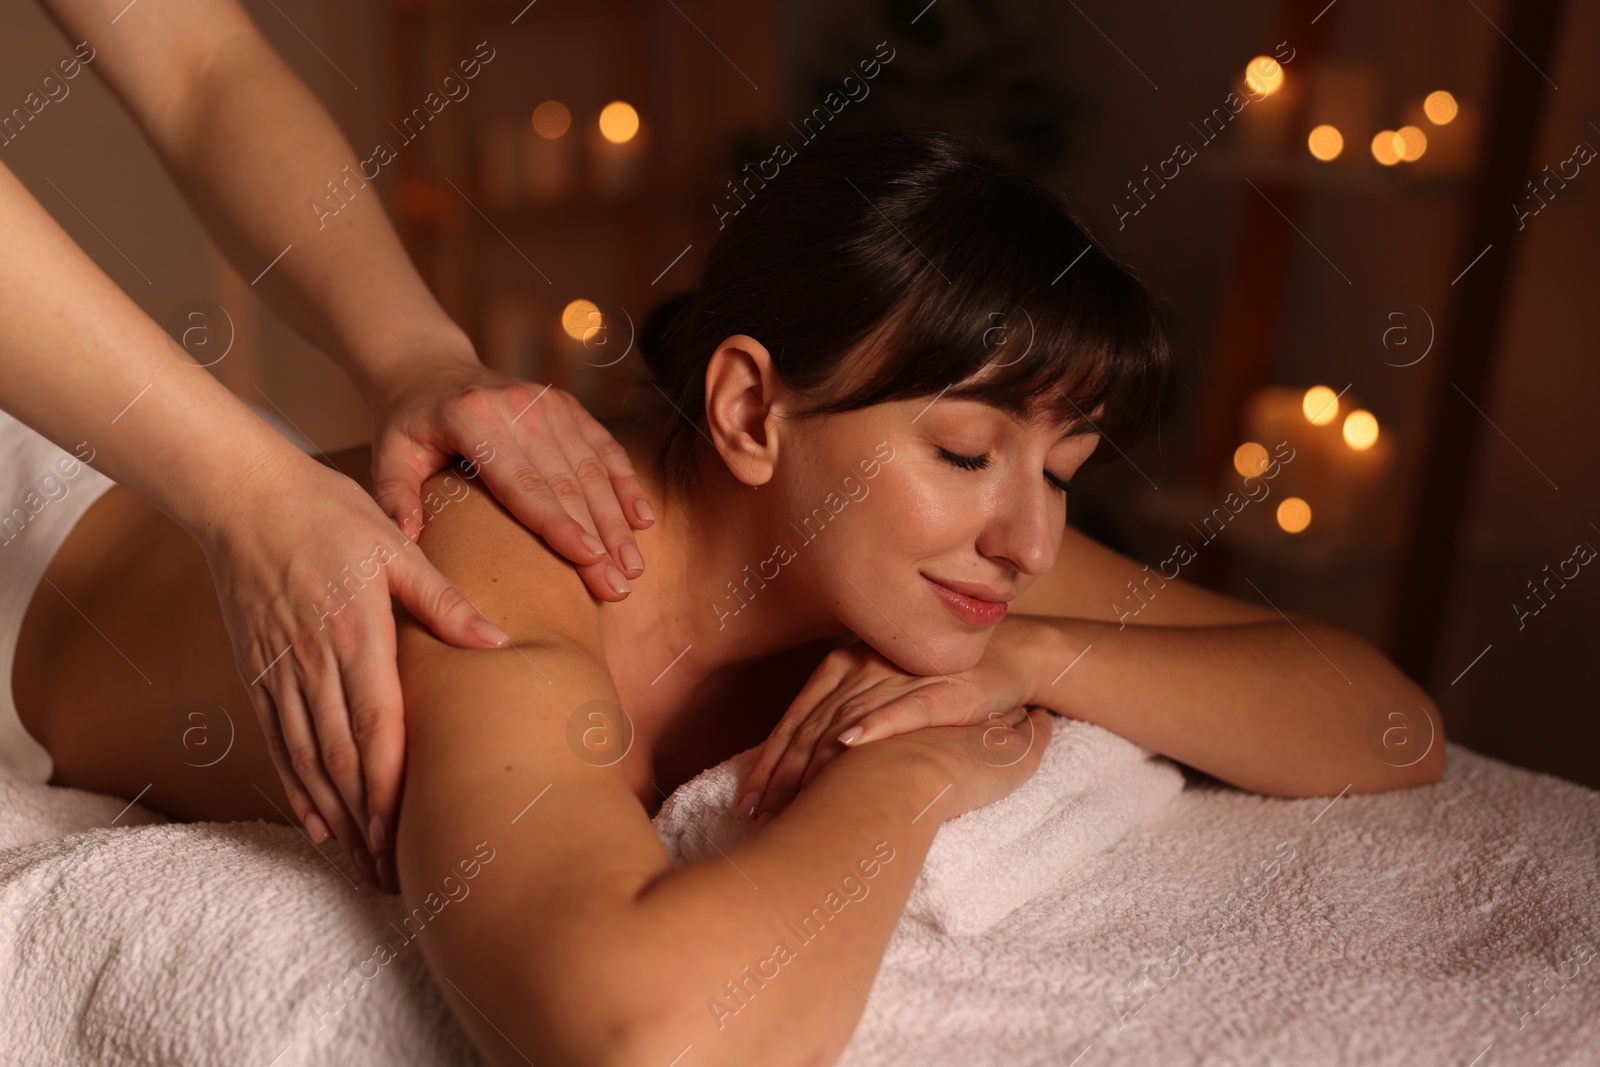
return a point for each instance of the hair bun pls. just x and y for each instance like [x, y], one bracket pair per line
[659, 334]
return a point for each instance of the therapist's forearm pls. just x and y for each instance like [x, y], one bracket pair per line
[252, 149]
[345, 281]
[1273, 707]
[85, 367]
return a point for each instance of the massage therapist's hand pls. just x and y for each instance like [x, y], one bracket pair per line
[537, 450]
[305, 565]
[856, 695]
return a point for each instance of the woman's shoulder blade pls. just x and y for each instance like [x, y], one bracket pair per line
[506, 570]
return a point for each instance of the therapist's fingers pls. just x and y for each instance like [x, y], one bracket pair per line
[324, 690]
[305, 759]
[625, 482]
[542, 493]
[377, 726]
[397, 476]
[438, 604]
[305, 809]
[599, 489]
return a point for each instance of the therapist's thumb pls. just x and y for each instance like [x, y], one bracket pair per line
[397, 488]
[439, 606]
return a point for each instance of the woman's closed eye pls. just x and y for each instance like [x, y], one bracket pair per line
[980, 462]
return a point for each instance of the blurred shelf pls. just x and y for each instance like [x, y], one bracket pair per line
[425, 201]
[1253, 533]
[1303, 172]
[589, 212]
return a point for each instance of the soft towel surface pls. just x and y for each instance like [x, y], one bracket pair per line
[1424, 926]
[1092, 786]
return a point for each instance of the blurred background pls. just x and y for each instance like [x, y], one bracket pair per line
[1376, 226]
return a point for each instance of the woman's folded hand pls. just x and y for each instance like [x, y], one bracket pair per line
[856, 696]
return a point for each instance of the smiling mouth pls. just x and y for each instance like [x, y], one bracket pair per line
[970, 609]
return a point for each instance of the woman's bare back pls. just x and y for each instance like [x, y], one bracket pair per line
[125, 673]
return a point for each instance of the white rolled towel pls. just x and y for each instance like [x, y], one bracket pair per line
[1091, 788]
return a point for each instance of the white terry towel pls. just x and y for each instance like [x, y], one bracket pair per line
[159, 943]
[1427, 926]
[1091, 788]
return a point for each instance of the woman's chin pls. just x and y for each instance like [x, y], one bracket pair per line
[936, 652]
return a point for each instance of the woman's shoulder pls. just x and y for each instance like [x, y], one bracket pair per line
[508, 572]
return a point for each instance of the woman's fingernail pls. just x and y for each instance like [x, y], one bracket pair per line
[748, 802]
[851, 735]
[616, 581]
[375, 835]
[595, 546]
[766, 817]
[489, 632]
[316, 829]
[631, 558]
[641, 508]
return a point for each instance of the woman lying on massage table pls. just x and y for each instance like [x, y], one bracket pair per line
[879, 397]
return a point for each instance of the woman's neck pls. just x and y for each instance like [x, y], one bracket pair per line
[702, 604]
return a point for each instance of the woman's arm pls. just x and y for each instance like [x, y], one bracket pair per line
[1271, 702]
[579, 943]
[1284, 708]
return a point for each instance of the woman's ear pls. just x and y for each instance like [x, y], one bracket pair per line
[743, 406]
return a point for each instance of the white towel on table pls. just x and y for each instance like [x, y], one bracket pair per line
[1418, 927]
[1091, 787]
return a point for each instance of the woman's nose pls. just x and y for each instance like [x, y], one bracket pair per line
[1022, 532]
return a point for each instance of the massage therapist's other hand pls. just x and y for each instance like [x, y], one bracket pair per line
[305, 565]
[537, 450]
[856, 696]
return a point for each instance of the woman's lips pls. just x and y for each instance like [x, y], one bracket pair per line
[970, 609]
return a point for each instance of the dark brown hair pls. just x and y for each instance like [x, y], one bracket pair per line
[956, 264]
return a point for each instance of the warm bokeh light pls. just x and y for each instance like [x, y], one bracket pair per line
[1263, 75]
[1386, 145]
[1294, 514]
[619, 122]
[551, 119]
[1250, 458]
[1320, 404]
[1440, 107]
[580, 318]
[1326, 142]
[1412, 143]
[1361, 430]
